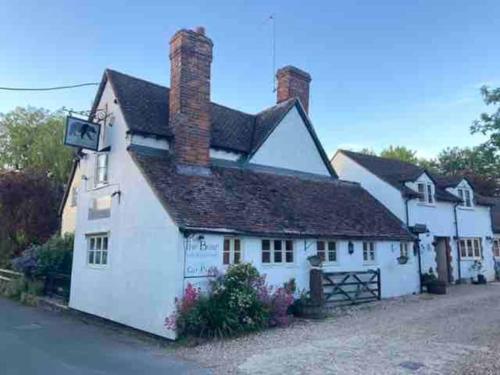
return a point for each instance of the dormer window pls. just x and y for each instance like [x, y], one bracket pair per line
[466, 197]
[426, 194]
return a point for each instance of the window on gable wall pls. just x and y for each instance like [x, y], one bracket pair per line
[97, 249]
[232, 251]
[425, 191]
[466, 197]
[101, 170]
[470, 248]
[327, 251]
[277, 251]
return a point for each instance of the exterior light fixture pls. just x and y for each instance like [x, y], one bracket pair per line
[350, 247]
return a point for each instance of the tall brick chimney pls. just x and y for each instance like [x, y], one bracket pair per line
[190, 59]
[293, 83]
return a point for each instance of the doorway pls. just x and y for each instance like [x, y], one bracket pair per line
[443, 259]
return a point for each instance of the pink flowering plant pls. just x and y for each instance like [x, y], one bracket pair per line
[237, 301]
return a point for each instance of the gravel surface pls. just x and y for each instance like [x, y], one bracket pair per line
[458, 333]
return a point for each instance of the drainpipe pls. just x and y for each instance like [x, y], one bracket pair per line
[417, 245]
[458, 244]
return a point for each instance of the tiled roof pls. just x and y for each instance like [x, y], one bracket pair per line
[397, 172]
[265, 201]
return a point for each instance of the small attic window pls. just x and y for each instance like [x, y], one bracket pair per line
[466, 197]
[426, 193]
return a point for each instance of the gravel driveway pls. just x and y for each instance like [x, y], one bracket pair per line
[458, 333]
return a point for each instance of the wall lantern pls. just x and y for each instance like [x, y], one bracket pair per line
[350, 247]
[489, 239]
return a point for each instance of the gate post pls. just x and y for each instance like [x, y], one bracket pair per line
[316, 286]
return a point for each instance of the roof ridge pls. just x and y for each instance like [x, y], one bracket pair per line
[137, 78]
[382, 158]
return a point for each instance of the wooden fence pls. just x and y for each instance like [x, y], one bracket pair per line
[350, 288]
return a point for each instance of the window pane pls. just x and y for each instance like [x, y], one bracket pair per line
[92, 244]
[463, 249]
[104, 257]
[332, 251]
[289, 245]
[97, 257]
[429, 193]
[469, 248]
[289, 256]
[237, 256]
[320, 246]
[277, 245]
[278, 258]
[105, 243]
[421, 190]
[266, 257]
[226, 244]
[98, 243]
[225, 257]
[236, 245]
[91, 257]
[477, 248]
[468, 202]
[266, 244]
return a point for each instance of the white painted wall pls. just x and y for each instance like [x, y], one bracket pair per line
[347, 169]
[68, 217]
[144, 274]
[226, 155]
[396, 279]
[152, 142]
[291, 146]
[438, 217]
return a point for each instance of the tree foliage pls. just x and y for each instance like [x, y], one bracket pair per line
[489, 123]
[400, 153]
[32, 138]
[28, 210]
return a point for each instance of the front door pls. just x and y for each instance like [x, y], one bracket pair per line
[443, 258]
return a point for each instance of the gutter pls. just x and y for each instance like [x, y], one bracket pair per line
[457, 238]
[416, 243]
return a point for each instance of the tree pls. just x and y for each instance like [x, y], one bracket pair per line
[400, 153]
[489, 124]
[480, 164]
[28, 207]
[32, 138]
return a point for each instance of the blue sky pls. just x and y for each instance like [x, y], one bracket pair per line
[384, 72]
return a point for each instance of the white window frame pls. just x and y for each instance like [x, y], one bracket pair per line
[283, 253]
[471, 248]
[232, 252]
[369, 252]
[466, 197]
[426, 193]
[329, 248]
[496, 247]
[97, 248]
[97, 178]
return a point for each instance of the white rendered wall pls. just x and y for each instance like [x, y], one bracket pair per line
[347, 169]
[144, 273]
[291, 146]
[68, 218]
[396, 279]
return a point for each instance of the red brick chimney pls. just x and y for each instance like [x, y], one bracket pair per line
[190, 59]
[293, 83]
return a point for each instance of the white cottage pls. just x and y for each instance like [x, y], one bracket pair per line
[453, 222]
[181, 184]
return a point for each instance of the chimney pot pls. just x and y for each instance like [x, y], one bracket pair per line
[200, 30]
[293, 83]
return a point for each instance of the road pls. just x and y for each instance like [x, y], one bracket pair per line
[35, 341]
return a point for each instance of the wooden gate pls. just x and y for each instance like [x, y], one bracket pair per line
[350, 288]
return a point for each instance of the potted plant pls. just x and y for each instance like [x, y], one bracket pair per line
[403, 259]
[431, 282]
[315, 261]
[304, 307]
[477, 267]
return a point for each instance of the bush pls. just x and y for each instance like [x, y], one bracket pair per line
[238, 301]
[53, 257]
